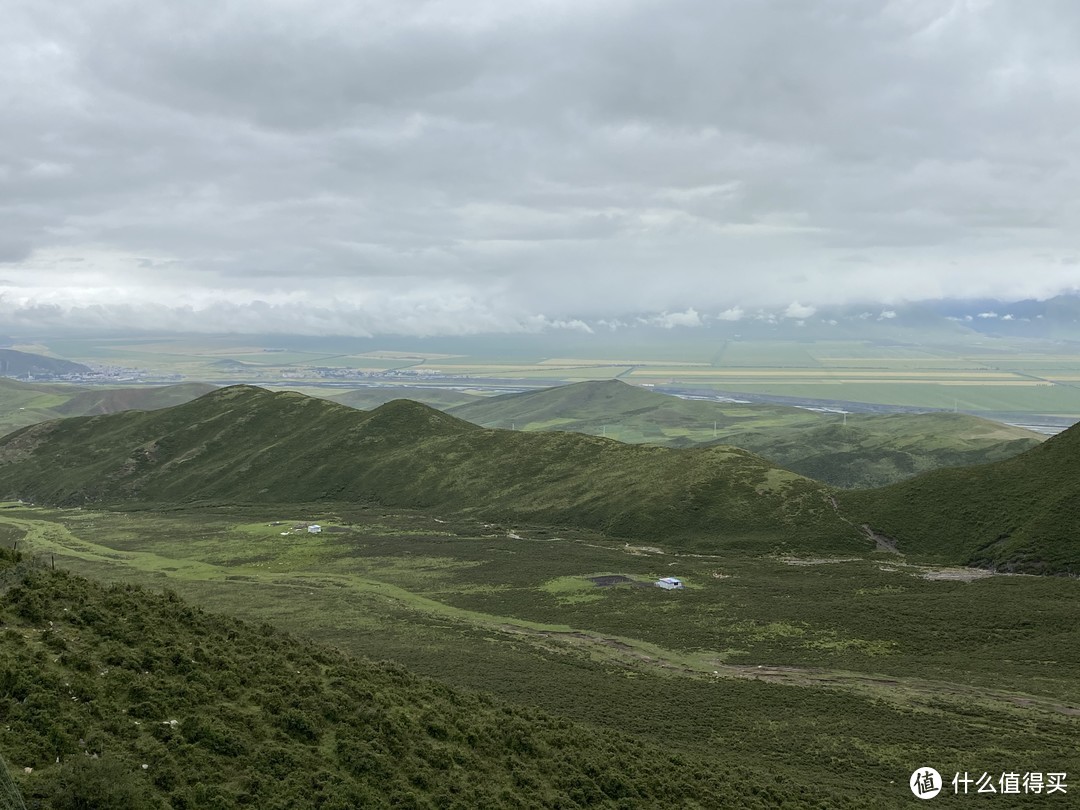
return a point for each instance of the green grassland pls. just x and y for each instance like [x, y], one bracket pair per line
[822, 679]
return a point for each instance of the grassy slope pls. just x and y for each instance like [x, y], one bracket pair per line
[113, 400]
[870, 450]
[247, 445]
[368, 398]
[1021, 514]
[876, 450]
[23, 404]
[119, 698]
[642, 415]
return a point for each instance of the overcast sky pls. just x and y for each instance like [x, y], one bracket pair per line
[451, 167]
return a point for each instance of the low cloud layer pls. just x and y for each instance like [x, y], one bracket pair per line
[455, 167]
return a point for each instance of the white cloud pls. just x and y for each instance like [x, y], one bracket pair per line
[669, 320]
[799, 311]
[734, 313]
[887, 315]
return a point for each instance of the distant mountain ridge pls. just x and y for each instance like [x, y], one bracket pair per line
[23, 364]
[247, 445]
[856, 451]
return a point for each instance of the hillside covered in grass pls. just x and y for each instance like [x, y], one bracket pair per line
[23, 403]
[863, 450]
[365, 399]
[117, 698]
[247, 445]
[95, 401]
[873, 450]
[1021, 514]
[628, 412]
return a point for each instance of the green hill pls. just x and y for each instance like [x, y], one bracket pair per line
[628, 412]
[24, 403]
[113, 400]
[115, 697]
[1021, 514]
[872, 450]
[367, 398]
[863, 451]
[247, 445]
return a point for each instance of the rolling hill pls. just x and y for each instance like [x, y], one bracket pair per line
[367, 398]
[1021, 514]
[862, 451]
[24, 403]
[873, 450]
[247, 445]
[629, 412]
[93, 402]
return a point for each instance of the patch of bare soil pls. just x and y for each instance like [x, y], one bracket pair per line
[817, 560]
[955, 574]
[883, 542]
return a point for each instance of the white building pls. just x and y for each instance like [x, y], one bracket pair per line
[314, 528]
[669, 583]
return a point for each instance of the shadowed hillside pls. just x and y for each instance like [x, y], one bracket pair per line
[245, 444]
[1021, 514]
[21, 364]
[115, 697]
[861, 451]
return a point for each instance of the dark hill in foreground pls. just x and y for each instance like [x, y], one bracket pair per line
[1021, 514]
[862, 450]
[120, 699]
[247, 445]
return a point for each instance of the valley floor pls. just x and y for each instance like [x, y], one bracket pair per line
[847, 673]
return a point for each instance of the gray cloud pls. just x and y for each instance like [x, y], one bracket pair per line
[429, 167]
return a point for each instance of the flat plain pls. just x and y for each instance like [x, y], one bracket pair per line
[990, 375]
